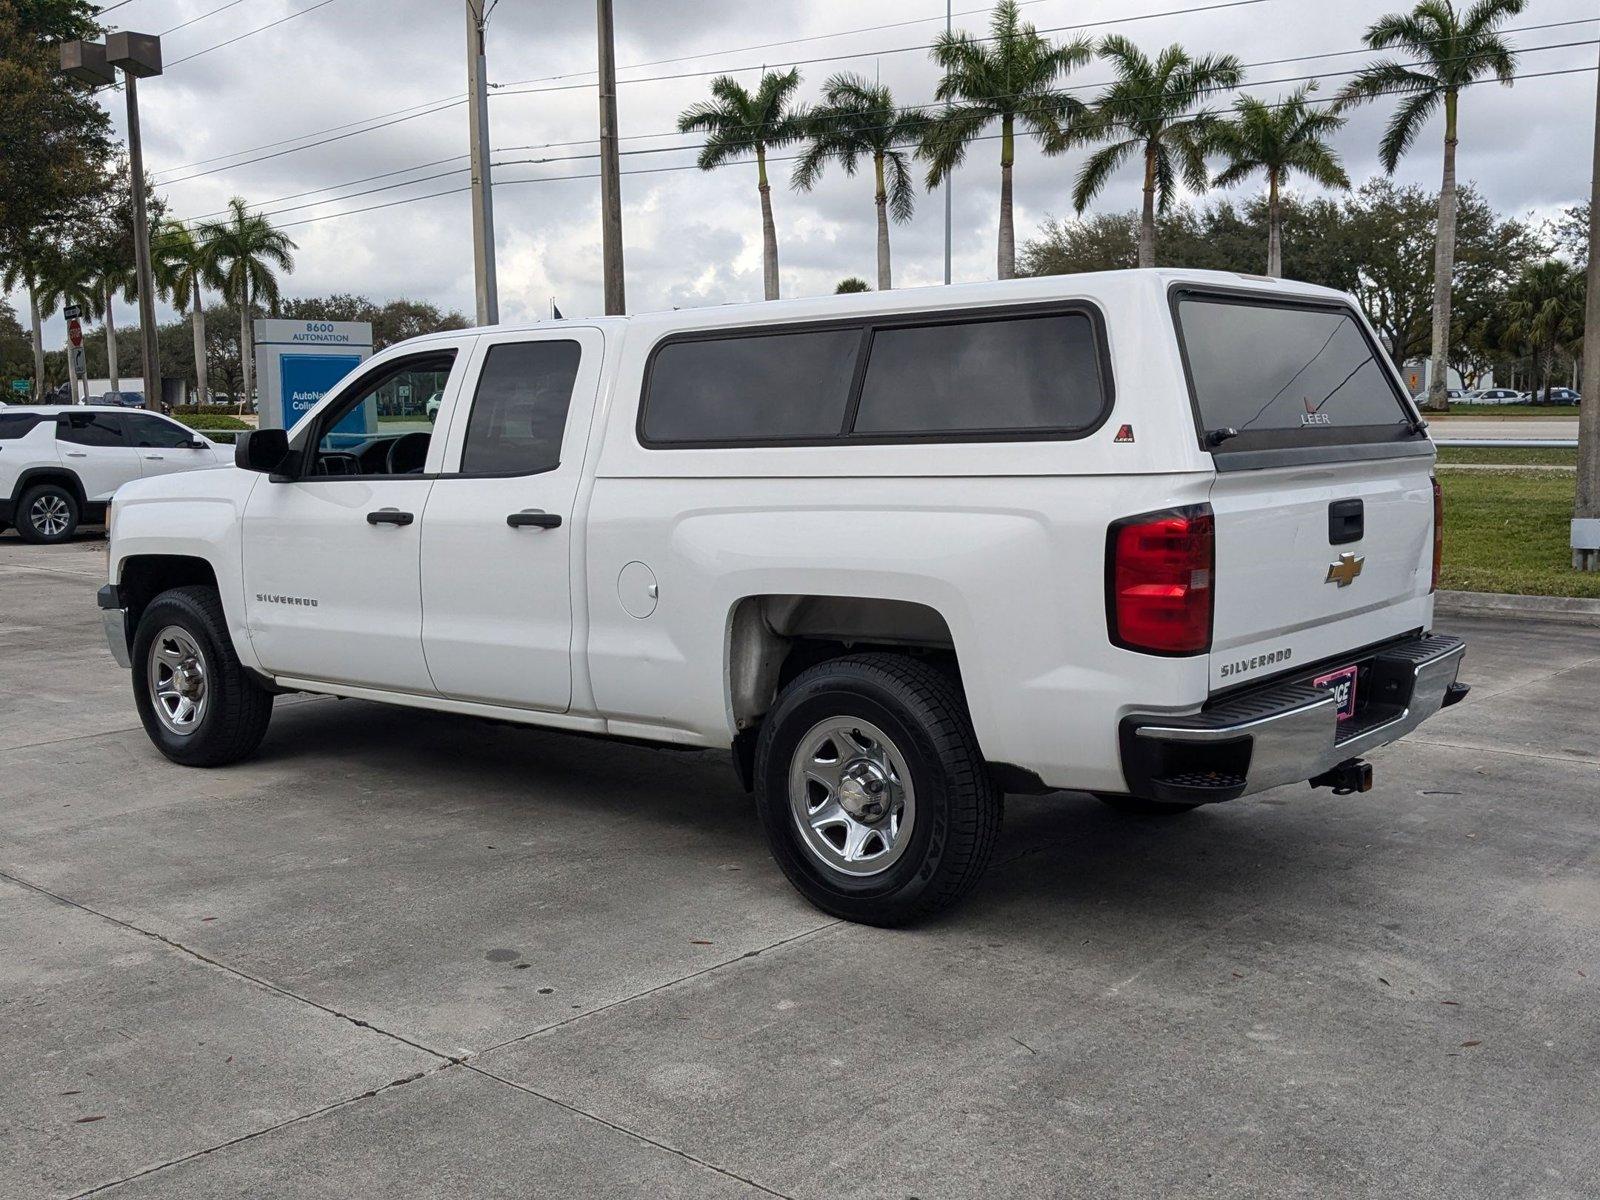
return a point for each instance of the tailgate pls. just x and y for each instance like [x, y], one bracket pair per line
[1313, 562]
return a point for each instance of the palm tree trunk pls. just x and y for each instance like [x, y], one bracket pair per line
[1006, 256]
[769, 231]
[1147, 218]
[881, 199]
[199, 345]
[246, 366]
[72, 376]
[1444, 265]
[111, 344]
[38, 342]
[1274, 229]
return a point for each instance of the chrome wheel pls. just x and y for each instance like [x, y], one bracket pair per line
[851, 796]
[177, 678]
[50, 515]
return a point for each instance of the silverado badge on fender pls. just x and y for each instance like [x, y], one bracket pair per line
[1344, 571]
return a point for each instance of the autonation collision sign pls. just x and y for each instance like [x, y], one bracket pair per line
[297, 362]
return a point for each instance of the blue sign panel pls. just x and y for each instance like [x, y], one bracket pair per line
[306, 378]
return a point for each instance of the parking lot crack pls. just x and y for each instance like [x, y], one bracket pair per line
[448, 1059]
[626, 1131]
[265, 1129]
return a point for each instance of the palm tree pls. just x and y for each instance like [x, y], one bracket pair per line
[738, 123]
[240, 252]
[1544, 311]
[859, 120]
[113, 275]
[178, 262]
[1153, 110]
[1279, 139]
[1447, 51]
[70, 281]
[1011, 77]
[29, 271]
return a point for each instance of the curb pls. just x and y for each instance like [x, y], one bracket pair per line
[1570, 609]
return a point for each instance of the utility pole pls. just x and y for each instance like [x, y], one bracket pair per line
[1586, 509]
[488, 292]
[610, 170]
[949, 179]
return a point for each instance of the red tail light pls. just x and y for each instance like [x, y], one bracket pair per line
[1438, 532]
[1158, 581]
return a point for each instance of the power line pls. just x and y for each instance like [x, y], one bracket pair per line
[783, 158]
[196, 19]
[250, 33]
[933, 104]
[449, 101]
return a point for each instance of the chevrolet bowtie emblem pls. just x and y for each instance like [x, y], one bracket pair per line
[1344, 571]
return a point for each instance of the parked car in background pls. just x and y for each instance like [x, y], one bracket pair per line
[1168, 537]
[1496, 396]
[432, 406]
[120, 399]
[1560, 395]
[60, 466]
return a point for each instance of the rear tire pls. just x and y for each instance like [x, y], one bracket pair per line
[875, 798]
[1136, 806]
[47, 514]
[197, 703]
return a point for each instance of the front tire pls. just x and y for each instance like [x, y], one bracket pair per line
[875, 798]
[47, 514]
[197, 703]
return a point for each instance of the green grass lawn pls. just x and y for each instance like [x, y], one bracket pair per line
[1496, 411]
[1508, 531]
[1514, 456]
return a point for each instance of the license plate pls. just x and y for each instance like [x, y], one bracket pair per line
[1342, 683]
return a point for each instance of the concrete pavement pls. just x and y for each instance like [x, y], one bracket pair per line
[1505, 428]
[406, 954]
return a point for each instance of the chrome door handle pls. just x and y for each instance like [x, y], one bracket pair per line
[155, 458]
[76, 454]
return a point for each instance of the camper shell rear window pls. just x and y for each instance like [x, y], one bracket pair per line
[1305, 378]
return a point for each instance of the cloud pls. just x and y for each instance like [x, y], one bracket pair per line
[692, 237]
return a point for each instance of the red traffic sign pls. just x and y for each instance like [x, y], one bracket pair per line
[75, 332]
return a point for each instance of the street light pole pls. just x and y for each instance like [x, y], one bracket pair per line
[1586, 508]
[486, 286]
[149, 352]
[610, 169]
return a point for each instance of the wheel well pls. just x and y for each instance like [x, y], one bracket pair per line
[146, 576]
[56, 475]
[774, 638]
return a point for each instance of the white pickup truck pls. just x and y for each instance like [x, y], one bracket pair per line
[1167, 537]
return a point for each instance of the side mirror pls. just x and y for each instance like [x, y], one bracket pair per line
[194, 444]
[261, 450]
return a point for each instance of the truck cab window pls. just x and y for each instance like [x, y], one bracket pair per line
[367, 429]
[519, 411]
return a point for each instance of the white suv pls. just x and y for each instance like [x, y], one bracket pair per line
[60, 466]
[1166, 537]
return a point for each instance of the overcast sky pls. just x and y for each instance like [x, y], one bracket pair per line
[694, 238]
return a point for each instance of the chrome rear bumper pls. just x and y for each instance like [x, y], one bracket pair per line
[1288, 732]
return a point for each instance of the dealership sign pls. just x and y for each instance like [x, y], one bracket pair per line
[299, 362]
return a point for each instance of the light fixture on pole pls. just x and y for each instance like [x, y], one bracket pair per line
[139, 56]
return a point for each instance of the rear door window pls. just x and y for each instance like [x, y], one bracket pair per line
[519, 412]
[1283, 375]
[1009, 375]
[92, 429]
